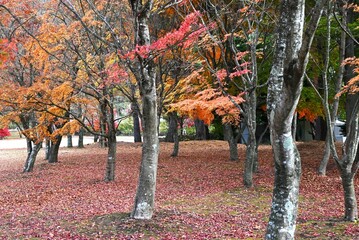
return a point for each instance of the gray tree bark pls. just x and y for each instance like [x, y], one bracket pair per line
[32, 152]
[111, 144]
[145, 195]
[136, 123]
[174, 118]
[348, 164]
[81, 138]
[201, 130]
[54, 150]
[232, 142]
[69, 141]
[250, 165]
[285, 85]
[335, 105]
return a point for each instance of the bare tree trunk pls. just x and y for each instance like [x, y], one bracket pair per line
[172, 126]
[285, 85]
[201, 130]
[81, 138]
[175, 136]
[145, 195]
[136, 124]
[111, 144]
[69, 141]
[335, 105]
[232, 142]
[349, 164]
[111, 158]
[251, 148]
[47, 149]
[32, 152]
[54, 150]
[350, 201]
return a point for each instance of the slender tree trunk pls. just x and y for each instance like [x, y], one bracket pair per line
[111, 144]
[54, 150]
[335, 105]
[145, 195]
[201, 130]
[175, 137]
[81, 138]
[349, 164]
[232, 142]
[136, 124]
[172, 127]
[31, 158]
[102, 139]
[285, 85]
[69, 141]
[350, 201]
[111, 158]
[251, 149]
[47, 149]
[294, 126]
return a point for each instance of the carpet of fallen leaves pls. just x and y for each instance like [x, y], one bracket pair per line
[200, 195]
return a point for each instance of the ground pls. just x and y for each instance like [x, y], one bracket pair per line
[200, 195]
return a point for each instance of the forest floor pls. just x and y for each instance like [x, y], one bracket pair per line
[200, 195]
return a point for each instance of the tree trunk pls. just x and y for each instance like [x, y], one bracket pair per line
[350, 201]
[294, 126]
[32, 154]
[69, 141]
[175, 137]
[54, 150]
[338, 83]
[47, 149]
[145, 195]
[232, 142]
[136, 124]
[201, 130]
[284, 208]
[81, 138]
[285, 85]
[172, 127]
[111, 158]
[251, 149]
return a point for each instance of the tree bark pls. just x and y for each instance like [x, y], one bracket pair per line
[232, 142]
[111, 158]
[81, 138]
[175, 136]
[47, 149]
[136, 124]
[350, 201]
[31, 156]
[201, 130]
[54, 150]
[285, 85]
[251, 149]
[69, 141]
[172, 127]
[111, 144]
[145, 195]
[338, 83]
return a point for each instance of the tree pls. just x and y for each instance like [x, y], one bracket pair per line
[285, 85]
[145, 195]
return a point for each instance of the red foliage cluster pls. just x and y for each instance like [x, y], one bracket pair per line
[4, 132]
[200, 196]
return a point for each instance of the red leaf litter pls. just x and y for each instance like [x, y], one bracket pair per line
[199, 195]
